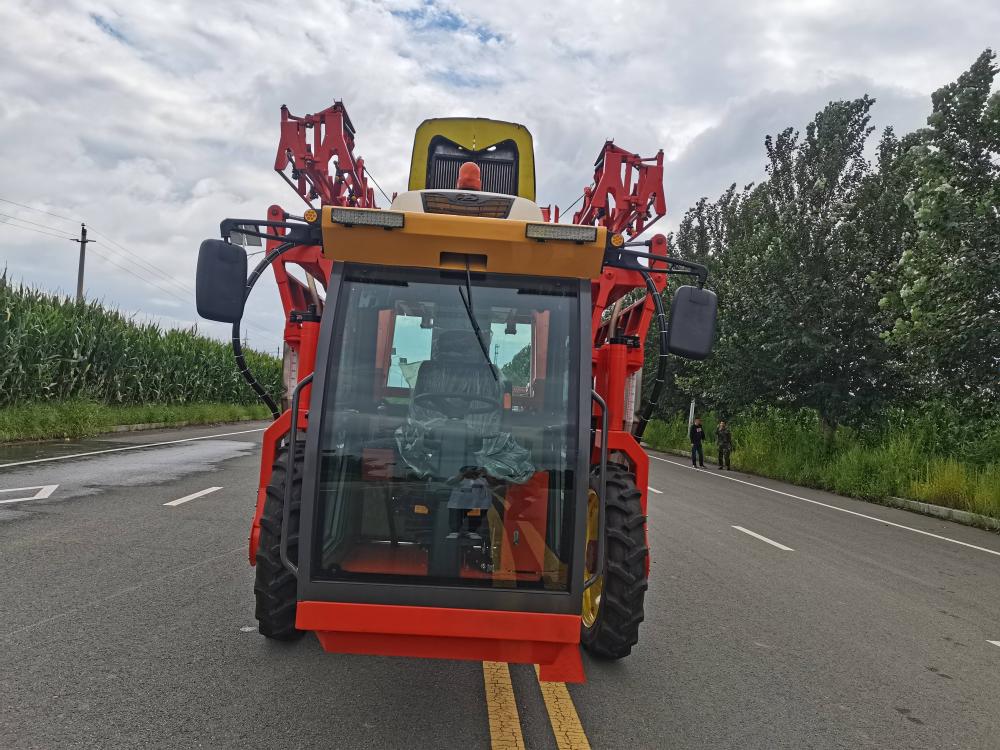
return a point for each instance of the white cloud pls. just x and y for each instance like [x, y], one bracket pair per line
[152, 121]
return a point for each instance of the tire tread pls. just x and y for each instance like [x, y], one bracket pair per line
[616, 629]
[275, 587]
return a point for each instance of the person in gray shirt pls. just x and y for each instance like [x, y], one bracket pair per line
[724, 441]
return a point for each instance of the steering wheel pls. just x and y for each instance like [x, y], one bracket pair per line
[445, 403]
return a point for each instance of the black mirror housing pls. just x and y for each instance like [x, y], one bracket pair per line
[691, 331]
[220, 288]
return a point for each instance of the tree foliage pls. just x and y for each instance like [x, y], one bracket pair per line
[847, 285]
[945, 289]
[518, 370]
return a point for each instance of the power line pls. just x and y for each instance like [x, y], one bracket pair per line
[130, 256]
[39, 210]
[139, 276]
[264, 335]
[247, 325]
[141, 262]
[34, 224]
[138, 260]
[108, 258]
[103, 257]
[36, 231]
[183, 286]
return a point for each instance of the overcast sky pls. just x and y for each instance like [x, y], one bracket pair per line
[153, 120]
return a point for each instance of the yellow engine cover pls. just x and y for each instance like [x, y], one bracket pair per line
[476, 136]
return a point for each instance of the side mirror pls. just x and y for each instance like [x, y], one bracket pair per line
[220, 286]
[691, 331]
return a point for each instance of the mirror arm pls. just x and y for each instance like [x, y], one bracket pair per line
[629, 259]
[298, 234]
[675, 273]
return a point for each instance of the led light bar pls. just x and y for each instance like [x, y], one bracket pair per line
[565, 232]
[367, 217]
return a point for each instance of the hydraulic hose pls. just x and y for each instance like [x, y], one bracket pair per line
[241, 362]
[661, 361]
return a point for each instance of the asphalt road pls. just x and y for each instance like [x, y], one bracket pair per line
[125, 622]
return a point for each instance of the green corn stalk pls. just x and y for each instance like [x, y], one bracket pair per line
[53, 349]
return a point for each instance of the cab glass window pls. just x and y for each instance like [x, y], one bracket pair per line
[449, 434]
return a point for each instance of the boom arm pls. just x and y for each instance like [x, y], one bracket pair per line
[332, 140]
[615, 201]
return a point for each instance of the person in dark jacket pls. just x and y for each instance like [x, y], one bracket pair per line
[724, 440]
[697, 435]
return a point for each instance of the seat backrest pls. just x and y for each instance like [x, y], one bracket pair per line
[458, 367]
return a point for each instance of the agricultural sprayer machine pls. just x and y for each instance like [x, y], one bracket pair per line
[455, 468]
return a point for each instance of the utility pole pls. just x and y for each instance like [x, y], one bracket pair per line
[83, 254]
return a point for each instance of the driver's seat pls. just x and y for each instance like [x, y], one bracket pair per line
[459, 367]
[442, 435]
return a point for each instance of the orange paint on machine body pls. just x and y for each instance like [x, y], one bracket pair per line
[442, 633]
[454, 470]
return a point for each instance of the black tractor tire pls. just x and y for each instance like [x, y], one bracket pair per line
[275, 587]
[616, 628]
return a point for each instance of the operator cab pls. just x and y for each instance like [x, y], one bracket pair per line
[449, 437]
[449, 450]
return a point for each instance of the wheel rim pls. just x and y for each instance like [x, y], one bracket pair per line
[592, 595]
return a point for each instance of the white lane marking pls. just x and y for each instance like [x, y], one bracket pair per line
[128, 448]
[995, 643]
[192, 496]
[44, 490]
[834, 507]
[655, 491]
[764, 539]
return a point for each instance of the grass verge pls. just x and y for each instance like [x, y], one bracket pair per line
[792, 448]
[75, 419]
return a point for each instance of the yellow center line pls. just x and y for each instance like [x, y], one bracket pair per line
[505, 725]
[562, 715]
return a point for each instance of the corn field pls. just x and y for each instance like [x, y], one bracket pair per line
[54, 349]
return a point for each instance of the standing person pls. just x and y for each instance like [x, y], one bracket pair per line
[724, 440]
[697, 435]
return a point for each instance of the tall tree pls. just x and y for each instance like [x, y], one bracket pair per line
[518, 370]
[946, 300]
[801, 310]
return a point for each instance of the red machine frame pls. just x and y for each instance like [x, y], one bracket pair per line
[626, 197]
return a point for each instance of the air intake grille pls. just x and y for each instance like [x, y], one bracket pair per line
[444, 174]
[498, 165]
[498, 176]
